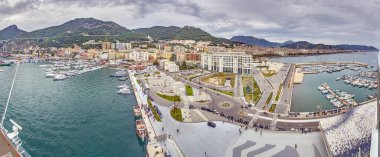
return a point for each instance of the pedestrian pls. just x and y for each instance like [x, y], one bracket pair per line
[261, 132]
[295, 146]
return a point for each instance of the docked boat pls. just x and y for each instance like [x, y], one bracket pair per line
[123, 79]
[324, 92]
[124, 91]
[2, 63]
[137, 112]
[140, 129]
[60, 77]
[321, 88]
[120, 74]
[50, 74]
[370, 97]
[1, 70]
[123, 86]
[338, 78]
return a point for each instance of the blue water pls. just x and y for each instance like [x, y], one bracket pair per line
[81, 116]
[306, 97]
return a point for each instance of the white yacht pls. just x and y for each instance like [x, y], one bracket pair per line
[50, 74]
[124, 91]
[60, 77]
[123, 86]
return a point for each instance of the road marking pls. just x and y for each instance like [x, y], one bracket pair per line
[201, 115]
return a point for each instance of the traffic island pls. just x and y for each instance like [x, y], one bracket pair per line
[176, 114]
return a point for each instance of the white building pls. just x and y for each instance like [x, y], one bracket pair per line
[171, 67]
[234, 62]
[139, 55]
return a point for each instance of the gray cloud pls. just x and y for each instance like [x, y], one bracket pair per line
[329, 21]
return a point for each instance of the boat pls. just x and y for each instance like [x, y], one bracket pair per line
[137, 112]
[140, 129]
[124, 91]
[119, 74]
[1, 70]
[338, 78]
[324, 92]
[321, 88]
[370, 97]
[50, 74]
[123, 79]
[59, 77]
[123, 86]
[2, 63]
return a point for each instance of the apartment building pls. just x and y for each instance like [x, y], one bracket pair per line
[234, 62]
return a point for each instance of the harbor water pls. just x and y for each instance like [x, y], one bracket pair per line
[306, 96]
[82, 116]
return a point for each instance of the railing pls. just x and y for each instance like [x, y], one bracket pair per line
[16, 142]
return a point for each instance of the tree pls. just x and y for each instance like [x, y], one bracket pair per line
[155, 62]
[172, 58]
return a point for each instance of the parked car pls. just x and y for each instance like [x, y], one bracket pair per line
[211, 124]
[191, 107]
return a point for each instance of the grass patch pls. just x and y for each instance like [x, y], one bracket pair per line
[221, 78]
[268, 73]
[175, 98]
[248, 82]
[156, 116]
[268, 100]
[189, 90]
[272, 108]
[278, 93]
[138, 81]
[230, 93]
[176, 114]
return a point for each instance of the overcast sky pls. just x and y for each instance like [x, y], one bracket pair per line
[317, 21]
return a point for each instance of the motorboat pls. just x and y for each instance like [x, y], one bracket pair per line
[60, 77]
[137, 112]
[124, 91]
[123, 86]
[140, 129]
[123, 79]
[120, 74]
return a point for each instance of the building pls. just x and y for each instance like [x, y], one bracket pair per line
[138, 55]
[234, 62]
[171, 67]
[106, 45]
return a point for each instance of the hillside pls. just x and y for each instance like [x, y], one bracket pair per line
[10, 32]
[307, 45]
[178, 33]
[251, 40]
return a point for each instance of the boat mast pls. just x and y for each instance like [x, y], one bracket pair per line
[9, 97]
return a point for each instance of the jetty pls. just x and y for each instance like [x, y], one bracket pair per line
[343, 101]
[153, 148]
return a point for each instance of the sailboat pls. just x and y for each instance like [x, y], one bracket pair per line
[10, 142]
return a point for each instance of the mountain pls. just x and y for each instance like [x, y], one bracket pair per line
[80, 30]
[251, 40]
[84, 26]
[10, 32]
[307, 45]
[178, 33]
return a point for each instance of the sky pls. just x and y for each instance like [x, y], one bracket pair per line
[316, 21]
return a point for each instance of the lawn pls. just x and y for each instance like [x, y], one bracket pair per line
[176, 114]
[248, 82]
[221, 77]
[268, 100]
[156, 116]
[268, 73]
[170, 98]
[230, 93]
[189, 90]
[272, 108]
[278, 93]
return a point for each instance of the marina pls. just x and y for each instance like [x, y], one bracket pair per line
[305, 96]
[61, 70]
[337, 97]
[68, 113]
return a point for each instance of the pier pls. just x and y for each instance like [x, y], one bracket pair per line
[327, 87]
[334, 63]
